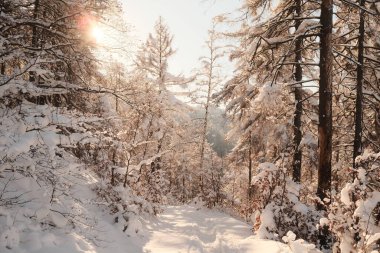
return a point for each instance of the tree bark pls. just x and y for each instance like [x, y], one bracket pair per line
[359, 87]
[32, 74]
[250, 168]
[325, 117]
[297, 158]
[210, 76]
[2, 68]
[325, 101]
[205, 120]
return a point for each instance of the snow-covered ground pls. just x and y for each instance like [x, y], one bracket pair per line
[178, 229]
[189, 229]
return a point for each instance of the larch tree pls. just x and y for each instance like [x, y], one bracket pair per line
[352, 73]
[165, 119]
[154, 54]
[210, 79]
[153, 58]
[325, 114]
[297, 135]
[325, 102]
[280, 42]
[276, 57]
[48, 74]
[359, 86]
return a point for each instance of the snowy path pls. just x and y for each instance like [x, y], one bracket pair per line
[186, 229]
[179, 229]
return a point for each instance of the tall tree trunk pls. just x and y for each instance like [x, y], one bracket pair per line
[205, 121]
[377, 124]
[32, 74]
[325, 101]
[2, 65]
[325, 115]
[297, 158]
[359, 87]
[2, 69]
[250, 168]
[131, 151]
[210, 75]
[359, 103]
[156, 164]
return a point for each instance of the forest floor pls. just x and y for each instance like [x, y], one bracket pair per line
[199, 230]
[191, 229]
[178, 229]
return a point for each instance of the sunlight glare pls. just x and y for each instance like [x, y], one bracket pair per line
[97, 33]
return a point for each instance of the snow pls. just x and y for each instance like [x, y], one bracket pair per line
[186, 228]
[364, 207]
[301, 208]
[267, 222]
[324, 222]
[307, 25]
[190, 229]
[362, 175]
[290, 236]
[309, 140]
[276, 40]
[58, 219]
[373, 238]
[345, 195]
[269, 97]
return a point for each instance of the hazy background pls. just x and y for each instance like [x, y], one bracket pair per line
[188, 21]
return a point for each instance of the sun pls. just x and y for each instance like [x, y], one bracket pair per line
[97, 33]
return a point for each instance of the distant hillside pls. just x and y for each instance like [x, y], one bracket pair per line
[217, 130]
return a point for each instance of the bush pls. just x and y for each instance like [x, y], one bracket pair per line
[276, 197]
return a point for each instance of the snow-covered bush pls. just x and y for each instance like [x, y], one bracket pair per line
[125, 206]
[52, 158]
[153, 186]
[355, 214]
[40, 178]
[299, 245]
[276, 198]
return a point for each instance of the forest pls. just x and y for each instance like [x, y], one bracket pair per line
[103, 153]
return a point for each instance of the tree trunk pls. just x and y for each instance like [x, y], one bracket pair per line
[204, 134]
[250, 168]
[359, 103]
[359, 88]
[325, 101]
[207, 105]
[2, 70]
[131, 151]
[32, 74]
[2, 8]
[325, 116]
[377, 124]
[297, 158]
[156, 164]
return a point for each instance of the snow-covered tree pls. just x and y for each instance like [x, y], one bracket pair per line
[153, 58]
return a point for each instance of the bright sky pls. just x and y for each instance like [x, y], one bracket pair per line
[188, 21]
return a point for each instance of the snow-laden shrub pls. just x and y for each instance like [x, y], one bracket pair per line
[355, 213]
[125, 206]
[52, 157]
[298, 245]
[153, 185]
[269, 99]
[276, 198]
[39, 175]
